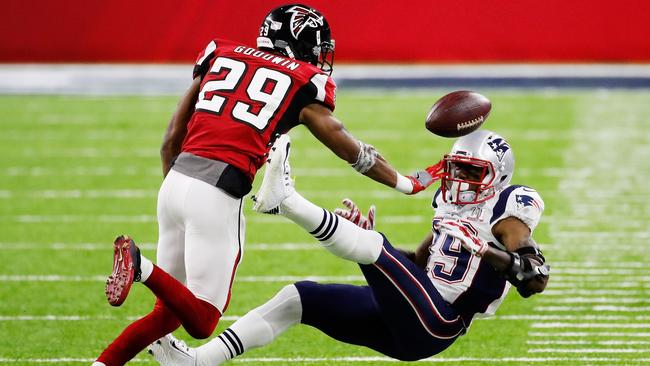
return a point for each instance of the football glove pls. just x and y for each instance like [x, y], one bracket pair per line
[527, 264]
[469, 240]
[424, 178]
[355, 216]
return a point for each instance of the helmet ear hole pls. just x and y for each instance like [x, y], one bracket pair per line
[503, 178]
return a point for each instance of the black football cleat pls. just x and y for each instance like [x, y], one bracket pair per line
[126, 269]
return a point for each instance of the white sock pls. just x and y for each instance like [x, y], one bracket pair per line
[257, 328]
[146, 267]
[339, 236]
[96, 363]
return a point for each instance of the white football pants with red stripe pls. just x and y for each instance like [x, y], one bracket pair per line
[201, 236]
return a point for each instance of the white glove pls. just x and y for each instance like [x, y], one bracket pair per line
[470, 241]
[353, 215]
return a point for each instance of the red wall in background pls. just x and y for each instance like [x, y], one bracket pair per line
[365, 30]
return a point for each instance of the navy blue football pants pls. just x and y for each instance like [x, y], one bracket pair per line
[400, 313]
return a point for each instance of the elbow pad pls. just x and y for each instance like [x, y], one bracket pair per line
[365, 159]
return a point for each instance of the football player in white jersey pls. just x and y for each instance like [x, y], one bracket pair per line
[415, 304]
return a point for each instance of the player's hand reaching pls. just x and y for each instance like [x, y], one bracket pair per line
[470, 240]
[355, 216]
[424, 178]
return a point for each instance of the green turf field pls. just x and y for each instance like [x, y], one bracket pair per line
[78, 171]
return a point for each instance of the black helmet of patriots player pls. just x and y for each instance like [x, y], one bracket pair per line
[479, 166]
[300, 32]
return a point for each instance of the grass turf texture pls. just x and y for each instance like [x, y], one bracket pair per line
[78, 171]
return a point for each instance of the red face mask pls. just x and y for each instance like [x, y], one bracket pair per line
[467, 180]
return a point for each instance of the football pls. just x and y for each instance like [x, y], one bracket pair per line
[458, 113]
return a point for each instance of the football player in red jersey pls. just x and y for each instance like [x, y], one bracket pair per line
[240, 100]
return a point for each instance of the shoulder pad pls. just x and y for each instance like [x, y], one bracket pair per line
[521, 202]
[203, 60]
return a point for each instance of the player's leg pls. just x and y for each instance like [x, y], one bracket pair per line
[214, 239]
[256, 328]
[213, 226]
[337, 235]
[411, 305]
[344, 312]
[170, 253]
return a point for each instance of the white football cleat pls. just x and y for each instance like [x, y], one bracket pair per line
[277, 184]
[169, 351]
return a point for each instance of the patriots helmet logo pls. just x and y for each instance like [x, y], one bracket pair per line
[499, 146]
[301, 18]
[523, 201]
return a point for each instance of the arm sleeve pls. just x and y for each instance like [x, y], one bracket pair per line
[202, 65]
[525, 204]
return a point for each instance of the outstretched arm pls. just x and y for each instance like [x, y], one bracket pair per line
[522, 263]
[362, 157]
[177, 128]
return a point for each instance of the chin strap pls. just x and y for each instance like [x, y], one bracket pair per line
[523, 268]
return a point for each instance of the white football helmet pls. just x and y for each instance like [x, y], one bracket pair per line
[479, 166]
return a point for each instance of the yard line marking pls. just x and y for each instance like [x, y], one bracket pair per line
[634, 264]
[597, 300]
[102, 278]
[51, 317]
[597, 308]
[587, 284]
[592, 325]
[588, 350]
[604, 343]
[569, 317]
[144, 218]
[39, 219]
[64, 278]
[588, 334]
[151, 246]
[153, 193]
[600, 271]
[594, 292]
[597, 280]
[356, 359]
[7, 318]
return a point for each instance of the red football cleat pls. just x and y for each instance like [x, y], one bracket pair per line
[126, 269]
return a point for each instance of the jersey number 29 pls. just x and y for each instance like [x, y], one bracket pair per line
[267, 89]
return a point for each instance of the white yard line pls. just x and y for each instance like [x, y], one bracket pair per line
[254, 279]
[597, 308]
[596, 300]
[72, 318]
[103, 247]
[588, 350]
[603, 343]
[75, 318]
[593, 317]
[589, 334]
[592, 325]
[357, 359]
[594, 292]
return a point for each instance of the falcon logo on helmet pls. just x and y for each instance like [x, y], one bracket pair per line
[302, 18]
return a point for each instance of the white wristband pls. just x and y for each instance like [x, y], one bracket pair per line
[404, 184]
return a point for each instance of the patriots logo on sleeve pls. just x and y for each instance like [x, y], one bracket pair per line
[523, 201]
[302, 18]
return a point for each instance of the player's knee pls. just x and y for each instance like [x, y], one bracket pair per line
[291, 298]
[202, 326]
[202, 330]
